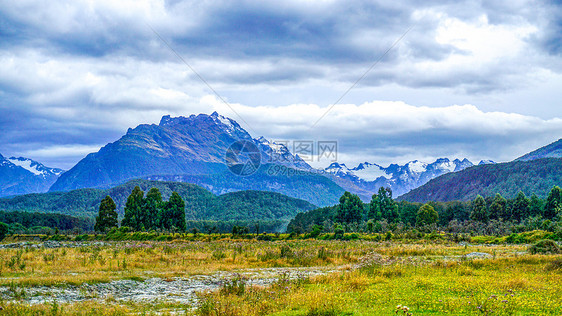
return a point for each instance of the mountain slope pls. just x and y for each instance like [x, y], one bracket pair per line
[553, 150]
[193, 145]
[22, 175]
[200, 203]
[401, 179]
[195, 149]
[308, 186]
[534, 176]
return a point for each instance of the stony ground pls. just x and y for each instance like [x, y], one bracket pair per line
[175, 290]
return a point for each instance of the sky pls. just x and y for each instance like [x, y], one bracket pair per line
[389, 81]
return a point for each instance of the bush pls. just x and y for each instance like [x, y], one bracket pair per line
[546, 246]
[3, 230]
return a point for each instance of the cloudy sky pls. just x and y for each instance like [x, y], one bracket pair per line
[475, 79]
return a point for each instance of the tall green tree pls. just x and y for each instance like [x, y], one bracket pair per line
[479, 211]
[387, 206]
[151, 207]
[374, 209]
[4, 228]
[350, 209]
[133, 210]
[107, 216]
[172, 215]
[499, 209]
[427, 215]
[536, 206]
[520, 207]
[553, 203]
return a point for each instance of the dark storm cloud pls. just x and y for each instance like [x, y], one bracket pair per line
[78, 74]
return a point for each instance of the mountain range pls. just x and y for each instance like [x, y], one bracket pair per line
[553, 150]
[20, 175]
[192, 145]
[533, 173]
[400, 178]
[198, 149]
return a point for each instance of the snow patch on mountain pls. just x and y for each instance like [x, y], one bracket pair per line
[279, 153]
[28, 165]
[417, 166]
[370, 172]
[400, 178]
[225, 122]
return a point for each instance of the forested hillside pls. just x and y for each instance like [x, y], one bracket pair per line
[535, 176]
[200, 203]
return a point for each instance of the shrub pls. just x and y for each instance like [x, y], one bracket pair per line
[544, 247]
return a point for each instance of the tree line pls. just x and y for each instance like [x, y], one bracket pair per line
[382, 210]
[144, 213]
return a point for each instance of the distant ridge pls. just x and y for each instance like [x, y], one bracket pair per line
[19, 175]
[553, 150]
[533, 176]
[400, 178]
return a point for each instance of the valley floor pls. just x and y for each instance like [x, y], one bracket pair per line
[292, 277]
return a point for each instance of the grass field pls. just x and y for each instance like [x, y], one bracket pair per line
[366, 278]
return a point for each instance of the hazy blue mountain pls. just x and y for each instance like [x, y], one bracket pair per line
[553, 150]
[309, 186]
[20, 175]
[194, 150]
[183, 145]
[533, 176]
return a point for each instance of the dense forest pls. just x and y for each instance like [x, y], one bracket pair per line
[530, 177]
[26, 222]
[200, 204]
[488, 216]
[151, 213]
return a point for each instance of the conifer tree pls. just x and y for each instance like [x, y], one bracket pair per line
[479, 210]
[374, 208]
[520, 207]
[133, 210]
[553, 203]
[151, 207]
[107, 216]
[172, 214]
[499, 209]
[350, 209]
[387, 206]
[536, 205]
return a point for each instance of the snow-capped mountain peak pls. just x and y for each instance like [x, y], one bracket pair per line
[279, 153]
[417, 166]
[34, 167]
[27, 164]
[20, 175]
[228, 124]
[401, 178]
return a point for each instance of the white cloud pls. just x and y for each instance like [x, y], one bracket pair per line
[395, 132]
[95, 67]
